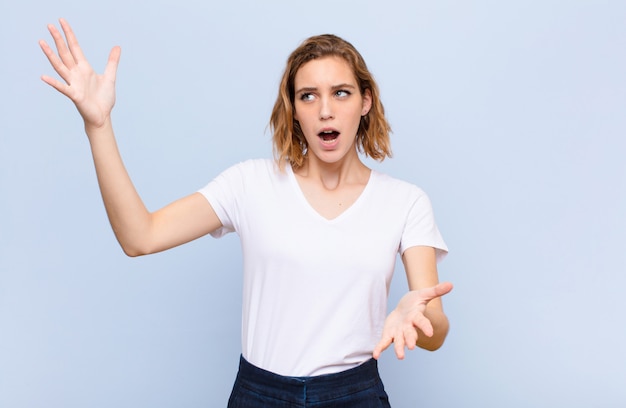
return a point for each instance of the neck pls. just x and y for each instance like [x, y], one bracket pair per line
[349, 170]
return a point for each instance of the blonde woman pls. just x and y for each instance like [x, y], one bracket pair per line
[320, 231]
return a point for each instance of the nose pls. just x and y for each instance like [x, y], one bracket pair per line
[326, 109]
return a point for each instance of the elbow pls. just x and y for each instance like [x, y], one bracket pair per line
[433, 345]
[133, 243]
[133, 232]
[133, 250]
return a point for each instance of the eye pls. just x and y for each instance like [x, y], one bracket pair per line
[342, 93]
[306, 96]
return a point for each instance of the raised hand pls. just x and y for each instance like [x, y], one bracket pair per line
[402, 323]
[93, 94]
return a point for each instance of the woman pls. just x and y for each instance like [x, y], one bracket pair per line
[319, 230]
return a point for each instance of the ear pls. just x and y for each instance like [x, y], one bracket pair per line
[367, 102]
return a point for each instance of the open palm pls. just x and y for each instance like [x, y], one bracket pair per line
[93, 94]
[401, 324]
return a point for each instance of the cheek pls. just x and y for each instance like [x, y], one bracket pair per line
[300, 112]
[303, 115]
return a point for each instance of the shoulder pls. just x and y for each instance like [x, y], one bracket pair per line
[242, 179]
[396, 187]
[254, 164]
[254, 175]
[251, 167]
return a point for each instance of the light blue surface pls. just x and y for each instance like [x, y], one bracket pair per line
[511, 115]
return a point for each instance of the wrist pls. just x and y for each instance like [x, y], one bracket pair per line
[96, 129]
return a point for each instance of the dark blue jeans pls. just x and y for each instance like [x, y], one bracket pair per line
[358, 387]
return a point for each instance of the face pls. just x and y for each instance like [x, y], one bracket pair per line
[329, 106]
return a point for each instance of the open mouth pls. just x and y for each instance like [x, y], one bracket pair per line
[328, 135]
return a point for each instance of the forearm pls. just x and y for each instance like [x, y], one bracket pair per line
[127, 214]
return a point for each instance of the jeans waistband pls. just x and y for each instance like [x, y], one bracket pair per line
[316, 388]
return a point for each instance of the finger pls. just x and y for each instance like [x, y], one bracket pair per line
[56, 63]
[59, 42]
[444, 288]
[72, 42]
[422, 323]
[398, 345]
[410, 337]
[382, 345]
[436, 291]
[114, 59]
[56, 84]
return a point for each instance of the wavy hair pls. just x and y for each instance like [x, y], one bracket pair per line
[288, 140]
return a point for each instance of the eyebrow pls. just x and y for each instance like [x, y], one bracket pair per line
[334, 88]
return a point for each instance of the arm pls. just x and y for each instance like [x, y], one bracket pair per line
[418, 320]
[137, 230]
[420, 264]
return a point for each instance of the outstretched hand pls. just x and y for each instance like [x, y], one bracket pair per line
[402, 323]
[93, 94]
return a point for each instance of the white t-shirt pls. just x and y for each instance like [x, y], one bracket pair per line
[315, 290]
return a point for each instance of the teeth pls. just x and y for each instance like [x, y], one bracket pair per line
[328, 136]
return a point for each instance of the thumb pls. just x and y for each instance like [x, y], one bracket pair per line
[436, 291]
[443, 288]
[114, 59]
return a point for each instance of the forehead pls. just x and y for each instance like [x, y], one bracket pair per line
[330, 70]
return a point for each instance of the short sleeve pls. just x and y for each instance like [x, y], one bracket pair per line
[225, 194]
[420, 228]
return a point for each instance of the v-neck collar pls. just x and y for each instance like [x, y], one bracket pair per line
[298, 189]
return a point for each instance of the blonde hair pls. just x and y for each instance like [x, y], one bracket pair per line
[288, 139]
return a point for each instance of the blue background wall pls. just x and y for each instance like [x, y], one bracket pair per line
[511, 115]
